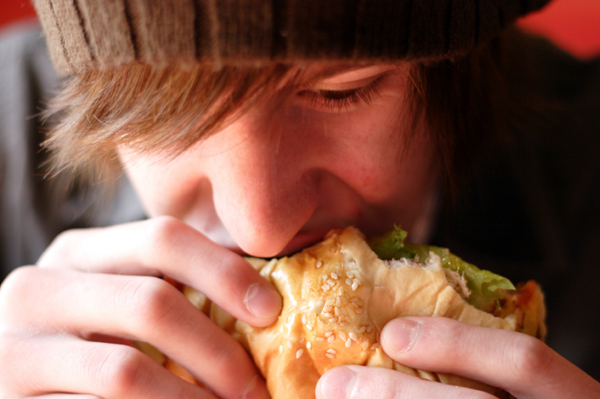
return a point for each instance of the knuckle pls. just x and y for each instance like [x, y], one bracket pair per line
[164, 229]
[118, 370]
[530, 357]
[59, 249]
[152, 301]
[17, 284]
[161, 236]
[230, 357]
[392, 389]
[19, 279]
[438, 332]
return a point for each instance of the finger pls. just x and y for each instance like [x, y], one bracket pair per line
[167, 246]
[356, 382]
[96, 369]
[516, 362]
[138, 308]
[64, 396]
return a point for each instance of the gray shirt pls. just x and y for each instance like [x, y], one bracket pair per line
[34, 208]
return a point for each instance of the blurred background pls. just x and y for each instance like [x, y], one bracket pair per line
[573, 25]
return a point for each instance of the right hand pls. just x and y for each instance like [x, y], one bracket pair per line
[67, 324]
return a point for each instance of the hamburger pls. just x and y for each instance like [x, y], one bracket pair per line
[338, 295]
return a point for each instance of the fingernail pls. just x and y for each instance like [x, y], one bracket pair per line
[399, 335]
[262, 301]
[337, 384]
[255, 389]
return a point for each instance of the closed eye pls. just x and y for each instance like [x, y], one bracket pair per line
[343, 100]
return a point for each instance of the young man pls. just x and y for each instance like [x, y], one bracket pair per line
[254, 129]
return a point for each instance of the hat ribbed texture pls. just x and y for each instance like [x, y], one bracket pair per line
[93, 34]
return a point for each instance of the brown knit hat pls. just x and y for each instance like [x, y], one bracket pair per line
[88, 34]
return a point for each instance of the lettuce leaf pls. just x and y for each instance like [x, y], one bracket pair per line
[391, 245]
[486, 287]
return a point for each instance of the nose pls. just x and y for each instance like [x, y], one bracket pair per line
[265, 184]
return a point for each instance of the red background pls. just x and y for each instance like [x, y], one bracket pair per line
[572, 24]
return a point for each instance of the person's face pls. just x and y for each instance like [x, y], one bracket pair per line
[272, 182]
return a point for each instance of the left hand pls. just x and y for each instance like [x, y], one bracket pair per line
[515, 362]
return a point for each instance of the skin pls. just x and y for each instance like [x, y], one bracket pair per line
[268, 184]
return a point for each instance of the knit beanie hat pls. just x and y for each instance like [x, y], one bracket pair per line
[99, 34]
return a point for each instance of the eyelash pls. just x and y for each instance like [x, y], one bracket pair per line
[343, 99]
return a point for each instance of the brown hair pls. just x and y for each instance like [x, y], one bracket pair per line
[173, 107]
[465, 104]
[149, 108]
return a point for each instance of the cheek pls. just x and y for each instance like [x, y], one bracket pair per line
[164, 187]
[389, 170]
[373, 151]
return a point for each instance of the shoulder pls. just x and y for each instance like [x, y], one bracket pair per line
[27, 81]
[24, 60]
